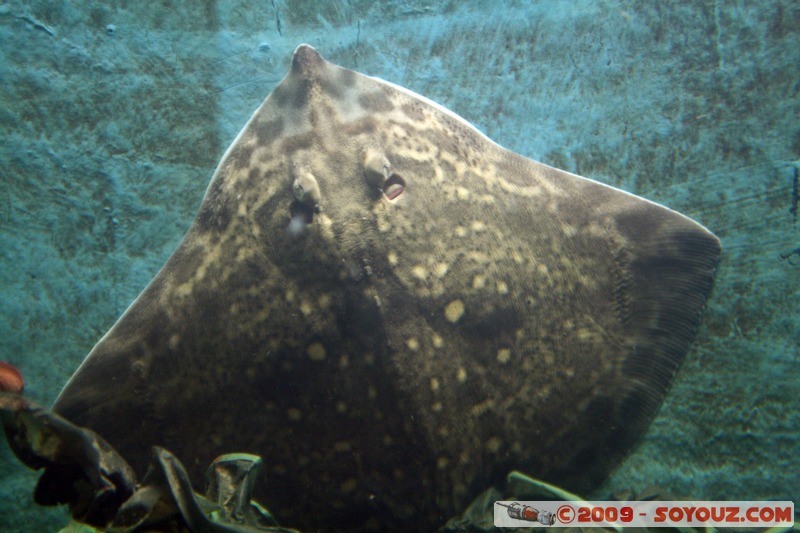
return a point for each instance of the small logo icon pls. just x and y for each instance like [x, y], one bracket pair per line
[565, 514]
[525, 512]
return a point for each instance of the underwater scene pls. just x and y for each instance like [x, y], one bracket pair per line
[347, 265]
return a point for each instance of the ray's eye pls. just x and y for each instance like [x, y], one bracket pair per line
[394, 186]
[376, 168]
[307, 202]
[306, 190]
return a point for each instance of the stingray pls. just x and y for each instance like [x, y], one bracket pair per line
[395, 312]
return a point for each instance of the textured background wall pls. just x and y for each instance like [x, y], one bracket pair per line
[114, 115]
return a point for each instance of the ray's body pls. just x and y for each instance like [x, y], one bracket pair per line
[394, 312]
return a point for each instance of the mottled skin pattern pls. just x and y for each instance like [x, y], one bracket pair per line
[392, 358]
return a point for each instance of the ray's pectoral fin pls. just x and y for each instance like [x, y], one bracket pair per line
[662, 271]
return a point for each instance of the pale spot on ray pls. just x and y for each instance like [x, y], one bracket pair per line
[316, 352]
[342, 446]
[494, 444]
[503, 355]
[454, 311]
[437, 341]
[349, 485]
